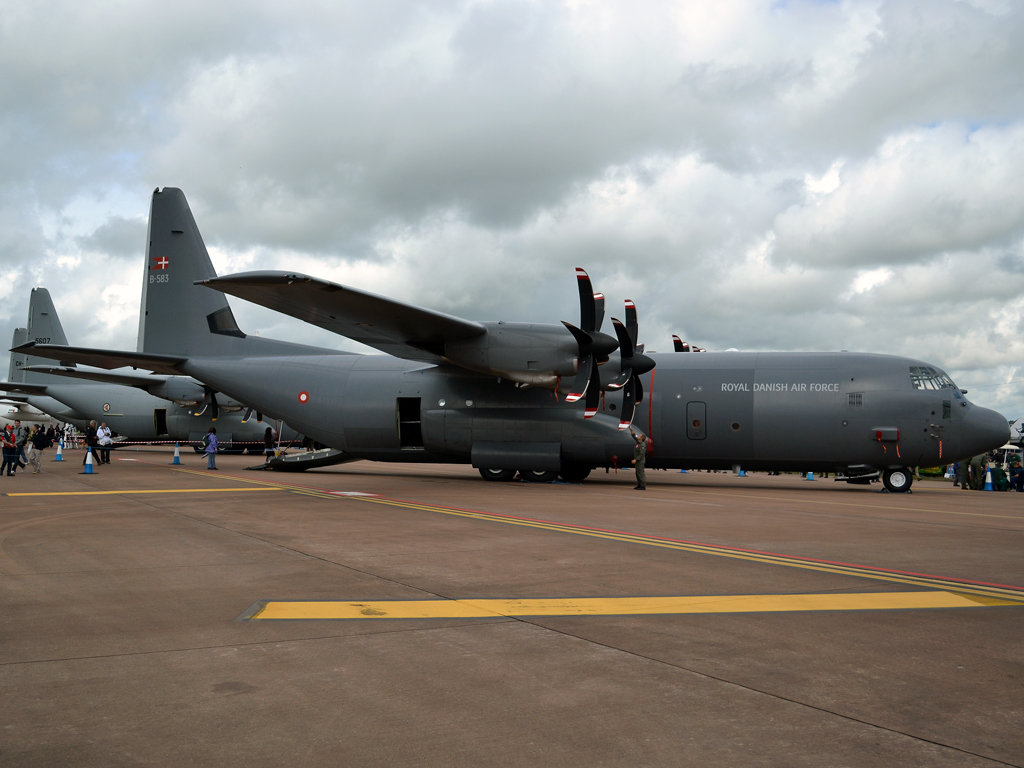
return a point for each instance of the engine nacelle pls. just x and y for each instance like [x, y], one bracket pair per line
[183, 390]
[537, 355]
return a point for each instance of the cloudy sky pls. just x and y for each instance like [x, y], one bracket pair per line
[761, 175]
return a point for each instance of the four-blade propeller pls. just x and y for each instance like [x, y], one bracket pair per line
[595, 348]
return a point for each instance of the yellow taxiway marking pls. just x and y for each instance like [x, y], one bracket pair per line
[846, 569]
[994, 591]
[170, 490]
[615, 606]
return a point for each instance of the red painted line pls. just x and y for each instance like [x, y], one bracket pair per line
[652, 537]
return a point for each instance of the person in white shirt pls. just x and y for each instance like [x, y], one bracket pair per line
[103, 440]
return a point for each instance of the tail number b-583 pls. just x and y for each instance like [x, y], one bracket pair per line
[159, 278]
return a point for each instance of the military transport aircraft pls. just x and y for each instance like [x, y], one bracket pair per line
[488, 393]
[135, 406]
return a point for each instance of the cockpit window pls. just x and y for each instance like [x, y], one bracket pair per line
[926, 377]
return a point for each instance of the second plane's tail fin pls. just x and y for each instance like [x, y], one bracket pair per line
[44, 327]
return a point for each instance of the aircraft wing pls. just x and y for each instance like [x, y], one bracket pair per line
[402, 330]
[104, 358]
[22, 388]
[125, 379]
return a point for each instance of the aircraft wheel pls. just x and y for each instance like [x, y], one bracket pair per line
[574, 473]
[533, 476]
[497, 475]
[897, 480]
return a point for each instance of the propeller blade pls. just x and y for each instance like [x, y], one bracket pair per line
[677, 343]
[628, 403]
[626, 342]
[581, 383]
[215, 411]
[631, 322]
[639, 390]
[620, 381]
[593, 393]
[247, 416]
[588, 308]
[598, 311]
[259, 417]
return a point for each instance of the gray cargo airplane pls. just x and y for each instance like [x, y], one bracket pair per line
[135, 406]
[487, 393]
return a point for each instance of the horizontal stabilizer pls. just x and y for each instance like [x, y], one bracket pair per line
[402, 330]
[124, 379]
[104, 358]
[22, 388]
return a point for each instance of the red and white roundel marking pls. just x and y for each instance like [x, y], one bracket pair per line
[303, 397]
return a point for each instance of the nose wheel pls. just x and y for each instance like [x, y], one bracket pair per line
[897, 480]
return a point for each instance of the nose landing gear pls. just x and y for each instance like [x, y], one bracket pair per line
[897, 480]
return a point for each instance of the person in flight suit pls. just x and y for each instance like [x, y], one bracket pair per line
[639, 459]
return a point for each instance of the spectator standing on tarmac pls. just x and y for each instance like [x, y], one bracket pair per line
[639, 459]
[103, 440]
[37, 444]
[10, 446]
[21, 436]
[211, 448]
[90, 443]
[978, 466]
[268, 444]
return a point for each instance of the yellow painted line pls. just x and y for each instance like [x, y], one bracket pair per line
[119, 493]
[994, 591]
[917, 580]
[617, 606]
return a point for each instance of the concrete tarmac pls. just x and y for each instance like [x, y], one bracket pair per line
[154, 623]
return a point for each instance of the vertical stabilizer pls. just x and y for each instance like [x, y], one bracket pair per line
[43, 324]
[44, 327]
[14, 373]
[176, 316]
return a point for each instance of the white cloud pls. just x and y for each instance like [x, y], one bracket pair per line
[754, 174]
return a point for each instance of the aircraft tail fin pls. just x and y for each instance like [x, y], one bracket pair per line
[18, 360]
[44, 327]
[178, 317]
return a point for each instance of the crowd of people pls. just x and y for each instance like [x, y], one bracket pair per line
[23, 445]
[1007, 472]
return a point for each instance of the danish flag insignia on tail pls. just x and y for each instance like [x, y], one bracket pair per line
[160, 263]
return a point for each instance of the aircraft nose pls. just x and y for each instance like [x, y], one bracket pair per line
[984, 430]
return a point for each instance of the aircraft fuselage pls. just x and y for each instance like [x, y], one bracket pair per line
[763, 411]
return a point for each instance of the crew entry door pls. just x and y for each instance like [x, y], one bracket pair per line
[696, 428]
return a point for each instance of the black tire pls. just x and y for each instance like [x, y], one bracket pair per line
[897, 480]
[574, 473]
[498, 475]
[533, 476]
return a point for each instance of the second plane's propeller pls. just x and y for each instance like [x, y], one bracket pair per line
[209, 401]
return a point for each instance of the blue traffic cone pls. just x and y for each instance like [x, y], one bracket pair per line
[810, 476]
[88, 470]
[741, 473]
[60, 455]
[988, 480]
[682, 471]
[177, 456]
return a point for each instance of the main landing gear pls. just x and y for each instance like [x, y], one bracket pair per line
[571, 473]
[897, 480]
